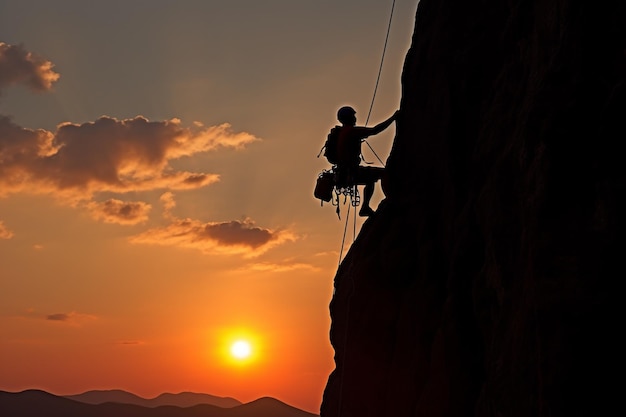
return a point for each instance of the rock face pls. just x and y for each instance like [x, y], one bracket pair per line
[487, 282]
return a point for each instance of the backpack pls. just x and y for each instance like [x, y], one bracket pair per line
[324, 186]
[330, 147]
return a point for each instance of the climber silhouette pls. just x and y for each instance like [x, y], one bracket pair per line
[349, 170]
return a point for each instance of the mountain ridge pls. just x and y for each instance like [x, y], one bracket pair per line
[35, 403]
[181, 399]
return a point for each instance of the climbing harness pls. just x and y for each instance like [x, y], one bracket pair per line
[330, 188]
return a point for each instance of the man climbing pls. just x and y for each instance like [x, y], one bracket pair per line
[349, 170]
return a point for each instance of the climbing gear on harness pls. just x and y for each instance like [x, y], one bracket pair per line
[331, 184]
[348, 191]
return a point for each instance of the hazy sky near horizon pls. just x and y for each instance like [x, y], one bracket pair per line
[157, 163]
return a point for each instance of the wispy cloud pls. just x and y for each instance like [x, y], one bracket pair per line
[19, 66]
[279, 267]
[72, 318]
[4, 232]
[328, 253]
[239, 237]
[58, 317]
[167, 199]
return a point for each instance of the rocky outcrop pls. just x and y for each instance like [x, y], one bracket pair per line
[487, 282]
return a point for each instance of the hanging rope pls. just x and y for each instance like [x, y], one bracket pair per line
[345, 344]
[380, 69]
[382, 59]
[355, 200]
[343, 240]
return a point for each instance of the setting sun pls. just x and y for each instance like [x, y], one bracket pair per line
[241, 349]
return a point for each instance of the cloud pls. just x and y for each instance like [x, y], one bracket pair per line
[107, 155]
[167, 199]
[4, 232]
[327, 253]
[120, 212]
[19, 66]
[58, 317]
[233, 237]
[72, 318]
[274, 267]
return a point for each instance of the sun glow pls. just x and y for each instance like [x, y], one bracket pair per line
[241, 349]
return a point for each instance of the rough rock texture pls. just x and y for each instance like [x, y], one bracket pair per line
[487, 282]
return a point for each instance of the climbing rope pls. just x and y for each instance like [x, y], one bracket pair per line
[345, 227]
[380, 70]
[345, 344]
[382, 59]
[355, 200]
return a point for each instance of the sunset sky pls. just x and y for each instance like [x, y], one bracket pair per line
[157, 164]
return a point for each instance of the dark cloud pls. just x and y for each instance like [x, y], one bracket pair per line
[73, 318]
[236, 233]
[19, 66]
[234, 237]
[58, 317]
[120, 212]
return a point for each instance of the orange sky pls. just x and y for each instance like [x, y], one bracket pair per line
[157, 162]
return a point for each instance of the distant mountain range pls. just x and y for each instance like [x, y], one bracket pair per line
[183, 399]
[36, 403]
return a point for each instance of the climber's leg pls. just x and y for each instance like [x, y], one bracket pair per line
[368, 191]
[368, 176]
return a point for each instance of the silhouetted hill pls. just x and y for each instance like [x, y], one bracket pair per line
[188, 399]
[270, 407]
[105, 396]
[488, 282]
[183, 399]
[36, 403]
